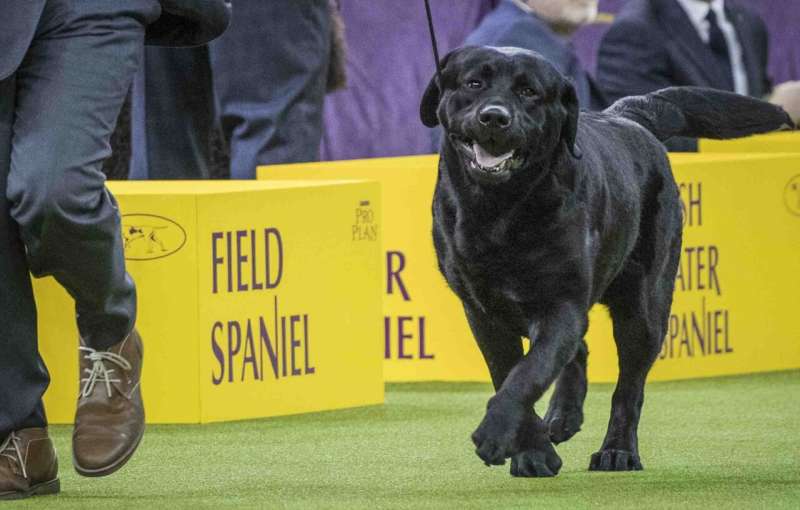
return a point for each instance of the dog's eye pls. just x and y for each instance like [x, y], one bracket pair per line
[528, 93]
[474, 84]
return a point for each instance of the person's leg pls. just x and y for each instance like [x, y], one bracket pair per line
[271, 98]
[23, 376]
[70, 88]
[172, 115]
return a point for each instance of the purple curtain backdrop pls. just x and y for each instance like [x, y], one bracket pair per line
[389, 63]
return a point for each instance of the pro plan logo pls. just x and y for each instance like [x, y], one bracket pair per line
[365, 228]
[791, 195]
[149, 237]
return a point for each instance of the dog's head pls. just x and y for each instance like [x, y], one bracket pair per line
[502, 109]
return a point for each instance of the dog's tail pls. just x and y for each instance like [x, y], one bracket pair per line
[698, 112]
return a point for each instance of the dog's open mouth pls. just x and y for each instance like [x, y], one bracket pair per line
[480, 160]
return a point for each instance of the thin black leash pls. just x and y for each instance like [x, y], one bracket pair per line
[433, 42]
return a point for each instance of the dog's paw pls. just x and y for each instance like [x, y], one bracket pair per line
[615, 460]
[542, 461]
[562, 424]
[500, 433]
[491, 452]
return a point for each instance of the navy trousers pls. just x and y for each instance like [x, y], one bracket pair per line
[262, 82]
[57, 112]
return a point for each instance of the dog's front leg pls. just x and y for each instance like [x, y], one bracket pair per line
[501, 348]
[510, 427]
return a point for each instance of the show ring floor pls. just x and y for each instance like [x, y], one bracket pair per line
[727, 443]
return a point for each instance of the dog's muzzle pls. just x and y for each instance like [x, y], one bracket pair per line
[482, 164]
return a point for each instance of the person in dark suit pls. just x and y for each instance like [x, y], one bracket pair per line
[65, 68]
[263, 84]
[544, 26]
[654, 44]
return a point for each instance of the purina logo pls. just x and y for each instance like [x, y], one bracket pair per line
[150, 237]
[791, 195]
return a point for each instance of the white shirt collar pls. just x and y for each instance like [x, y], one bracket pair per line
[697, 10]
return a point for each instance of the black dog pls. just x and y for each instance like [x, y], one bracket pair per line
[541, 212]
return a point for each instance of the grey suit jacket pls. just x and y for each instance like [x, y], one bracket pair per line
[182, 23]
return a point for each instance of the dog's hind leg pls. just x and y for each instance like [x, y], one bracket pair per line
[639, 309]
[638, 344]
[565, 413]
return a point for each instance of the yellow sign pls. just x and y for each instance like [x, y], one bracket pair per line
[736, 294]
[255, 299]
[788, 141]
[425, 336]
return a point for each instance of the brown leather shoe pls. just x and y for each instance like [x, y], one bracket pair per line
[28, 465]
[109, 422]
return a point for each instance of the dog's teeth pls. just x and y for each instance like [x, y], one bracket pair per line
[486, 160]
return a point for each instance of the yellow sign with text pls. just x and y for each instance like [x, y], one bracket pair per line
[425, 336]
[736, 294]
[788, 141]
[255, 299]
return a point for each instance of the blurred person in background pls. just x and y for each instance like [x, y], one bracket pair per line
[544, 26]
[263, 84]
[720, 44]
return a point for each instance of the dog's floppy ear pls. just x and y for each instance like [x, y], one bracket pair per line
[569, 129]
[432, 96]
[430, 103]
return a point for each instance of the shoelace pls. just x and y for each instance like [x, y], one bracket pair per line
[13, 444]
[99, 372]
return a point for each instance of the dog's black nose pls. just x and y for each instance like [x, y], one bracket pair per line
[495, 116]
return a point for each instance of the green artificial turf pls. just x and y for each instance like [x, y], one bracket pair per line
[715, 443]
